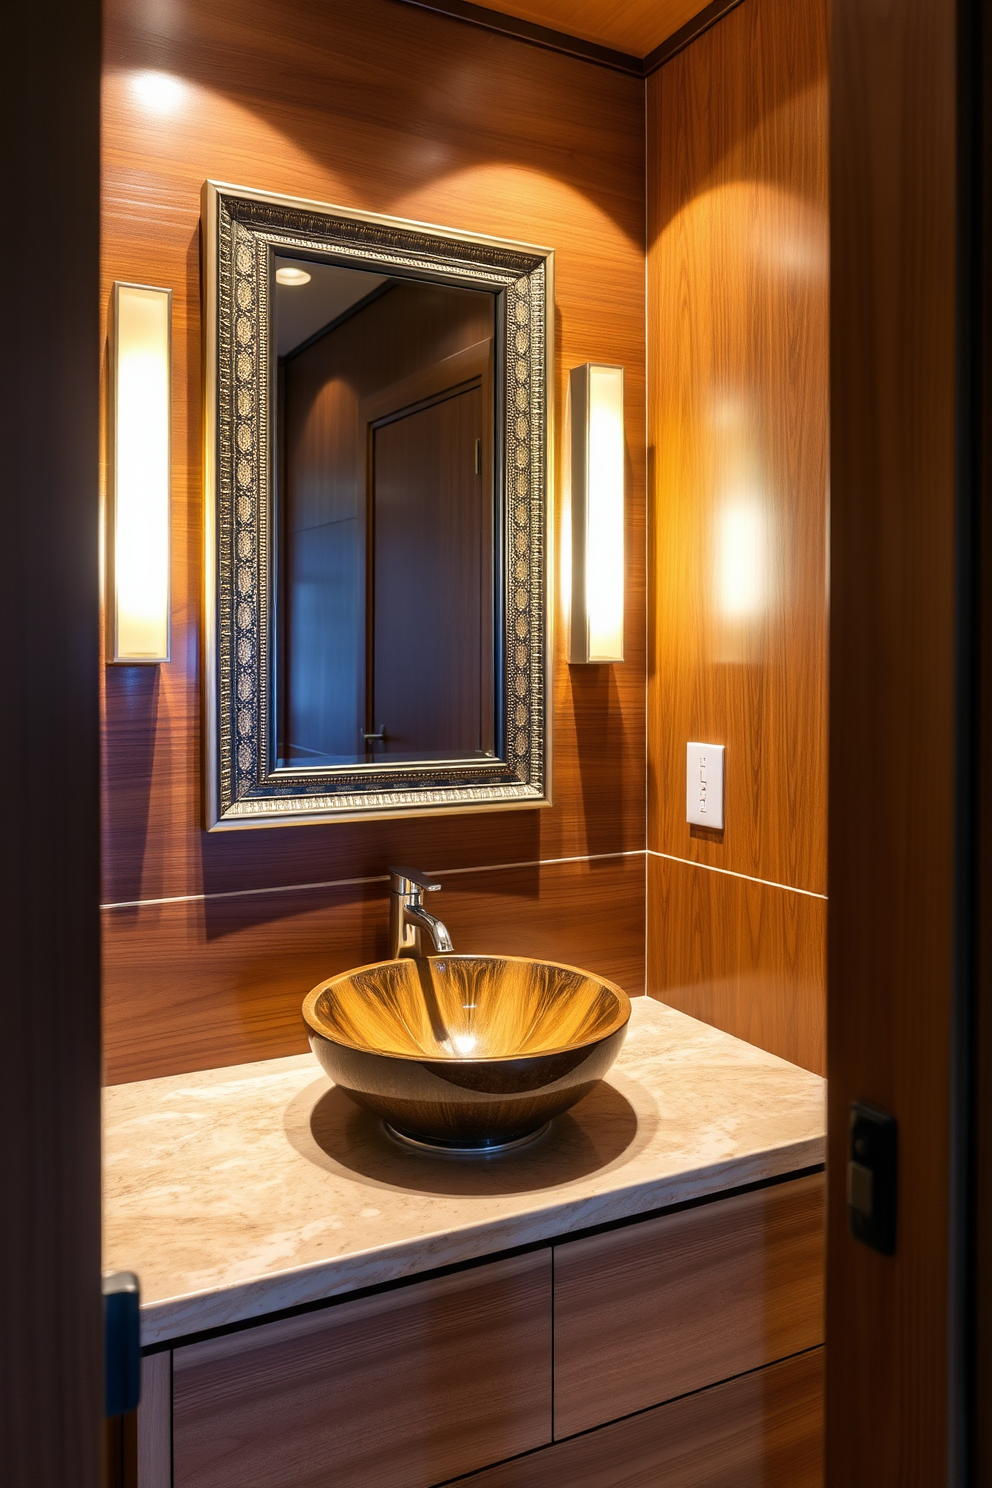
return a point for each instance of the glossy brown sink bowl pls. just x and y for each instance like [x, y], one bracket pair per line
[466, 1052]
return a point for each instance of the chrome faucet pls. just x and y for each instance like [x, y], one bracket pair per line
[408, 918]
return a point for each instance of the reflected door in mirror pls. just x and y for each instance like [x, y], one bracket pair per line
[385, 519]
[431, 658]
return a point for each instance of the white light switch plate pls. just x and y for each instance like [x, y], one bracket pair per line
[704, 785]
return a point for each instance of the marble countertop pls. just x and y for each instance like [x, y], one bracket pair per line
[236, 1192]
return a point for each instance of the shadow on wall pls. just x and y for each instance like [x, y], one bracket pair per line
[246, 909]
[132, 700]
[600, 739]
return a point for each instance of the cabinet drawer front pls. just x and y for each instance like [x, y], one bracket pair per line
[401, 1390]
[678, 1303]
[764, 1430]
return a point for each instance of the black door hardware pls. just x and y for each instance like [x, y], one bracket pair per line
[121, 1342]
[871, 1177]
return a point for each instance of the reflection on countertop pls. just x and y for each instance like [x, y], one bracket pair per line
[238, 1192]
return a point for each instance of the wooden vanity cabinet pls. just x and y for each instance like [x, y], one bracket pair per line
[674, 1304]
[399, 1390]
[682, 1350]
[763, 1430]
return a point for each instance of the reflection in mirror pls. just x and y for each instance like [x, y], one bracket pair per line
[384, 518]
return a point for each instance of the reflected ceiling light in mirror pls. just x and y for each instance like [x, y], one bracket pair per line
[157, 92]
[140, 353]
[292, 277]
[592, 529]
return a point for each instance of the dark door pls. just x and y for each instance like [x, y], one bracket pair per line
[430, 582]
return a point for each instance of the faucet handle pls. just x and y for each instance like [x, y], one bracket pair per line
[409, 880]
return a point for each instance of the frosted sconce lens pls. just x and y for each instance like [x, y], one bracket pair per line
[141, 368]
[594, 516]
[292, 276]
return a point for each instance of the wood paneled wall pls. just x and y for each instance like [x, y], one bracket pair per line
[737, 353]
[393, 109]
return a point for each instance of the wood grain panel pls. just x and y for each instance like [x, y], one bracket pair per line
[393, 109]
[154, 1433]
[746, 957]
[764, 1430]
[737, 314]
[632, 26]
[895, 309]
[194, 986]
[400, 1390]
[678, 1303]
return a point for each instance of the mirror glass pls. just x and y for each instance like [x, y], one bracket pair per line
[384, 517]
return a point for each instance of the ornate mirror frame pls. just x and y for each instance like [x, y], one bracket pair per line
[242, 229]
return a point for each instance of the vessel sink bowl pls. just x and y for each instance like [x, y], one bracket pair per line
[471, 1053]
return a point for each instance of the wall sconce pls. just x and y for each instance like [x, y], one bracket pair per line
[141, 373]
[594, 515]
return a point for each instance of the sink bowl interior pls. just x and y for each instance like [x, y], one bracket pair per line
[470, 1053]
[466, 1008]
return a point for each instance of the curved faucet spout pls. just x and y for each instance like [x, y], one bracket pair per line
[408, 917]
[437, 931]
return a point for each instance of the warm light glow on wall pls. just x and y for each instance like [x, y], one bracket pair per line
[743, 582]
[139, 566]
[158, 92]
[592, 530]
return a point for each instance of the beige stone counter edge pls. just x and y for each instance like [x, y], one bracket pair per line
[175, 1318]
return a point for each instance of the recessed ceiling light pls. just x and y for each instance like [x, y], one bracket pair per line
[292, 276]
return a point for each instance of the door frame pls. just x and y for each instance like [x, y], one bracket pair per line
[51, 1404]
[908, 813]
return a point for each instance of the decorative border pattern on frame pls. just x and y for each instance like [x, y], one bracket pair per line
[249, 788]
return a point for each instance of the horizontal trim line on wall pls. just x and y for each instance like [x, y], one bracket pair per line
[576, 46]
[347, 883]
[768, 883]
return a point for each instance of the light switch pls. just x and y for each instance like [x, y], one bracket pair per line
[704, 786]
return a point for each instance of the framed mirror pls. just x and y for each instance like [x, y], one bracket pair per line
[378, 623]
